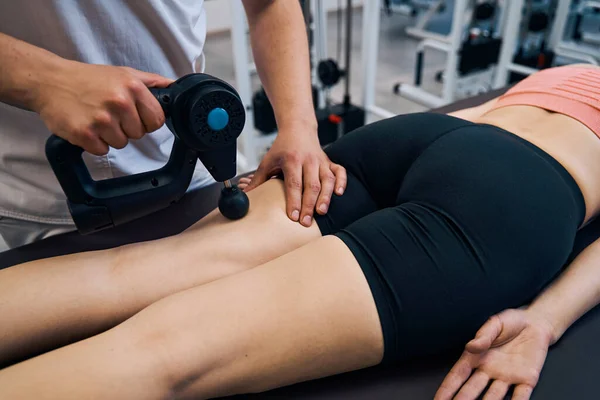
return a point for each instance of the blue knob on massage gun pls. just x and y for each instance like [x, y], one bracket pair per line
[217, 119]
[233, 203]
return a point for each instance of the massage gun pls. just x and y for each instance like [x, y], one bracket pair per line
[206, 117]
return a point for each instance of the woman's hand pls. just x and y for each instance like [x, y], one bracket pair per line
[509, 349]
[310, 177]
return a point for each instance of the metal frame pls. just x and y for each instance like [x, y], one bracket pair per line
[370, 52]
[451, 46]
[568, 48]
[247, 141]
[419, 31]
[510, 39]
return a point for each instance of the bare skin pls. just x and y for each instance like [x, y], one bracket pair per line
[72, 297]
[289, 306]
[304, 315]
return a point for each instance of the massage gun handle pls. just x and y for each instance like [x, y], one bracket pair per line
[96, 205]
[67, 162]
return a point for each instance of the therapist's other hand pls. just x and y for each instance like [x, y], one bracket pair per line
[98, 106]
[310, 177]
[508, 350]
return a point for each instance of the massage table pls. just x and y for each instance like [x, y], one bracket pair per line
[570, 372]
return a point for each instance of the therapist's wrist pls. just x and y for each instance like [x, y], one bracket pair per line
[31, 69]
[298, 125]
[45, 80]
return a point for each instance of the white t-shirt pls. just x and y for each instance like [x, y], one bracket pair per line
[160, 36]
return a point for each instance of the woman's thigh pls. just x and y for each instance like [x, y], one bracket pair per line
[71, 297]
[307, 314]
[212, 248]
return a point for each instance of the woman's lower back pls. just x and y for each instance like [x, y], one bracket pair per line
[557, 110]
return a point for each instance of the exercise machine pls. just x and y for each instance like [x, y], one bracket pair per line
[577, 45]
[261, 130]
[476, 35]
[410, 8]
[558, 44]
[419, 31]
[471, 23]
[335, 120]
[205, 115]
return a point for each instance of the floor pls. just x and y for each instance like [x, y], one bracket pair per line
[397, 55]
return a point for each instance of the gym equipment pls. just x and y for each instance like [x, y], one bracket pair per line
[472, 48]
[338, 119]
[556, 44]
[329, 72]
[403, 7]
[206, 116]
[578, 45]
[415, 9]
[586, 9]
[570, 371]
[333, 120]
[534, 51]
[264, 115]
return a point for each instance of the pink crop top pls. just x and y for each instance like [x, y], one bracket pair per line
[572, 90]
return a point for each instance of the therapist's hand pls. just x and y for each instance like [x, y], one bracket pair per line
[97, 106]
[311, 179]
[509, 349]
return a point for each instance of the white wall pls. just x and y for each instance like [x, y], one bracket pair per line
[219, 12]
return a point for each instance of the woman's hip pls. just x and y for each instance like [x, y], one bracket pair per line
[497, 186]
[432, 282]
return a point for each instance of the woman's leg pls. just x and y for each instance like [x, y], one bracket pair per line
[52, 302]
[307, 314]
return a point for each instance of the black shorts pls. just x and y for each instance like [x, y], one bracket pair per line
[451, 222]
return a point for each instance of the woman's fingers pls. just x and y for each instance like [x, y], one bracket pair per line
[485, 336]
[497, 391]
[341, 178]
[474, 386]
[522, 392]
[458, 375]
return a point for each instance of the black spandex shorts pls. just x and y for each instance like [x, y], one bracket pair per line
[450, 222]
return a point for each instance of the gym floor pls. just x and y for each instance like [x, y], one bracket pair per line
[397, 55]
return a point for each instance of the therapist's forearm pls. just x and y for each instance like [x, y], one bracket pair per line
[280, 48]
[24, 69]
[573, 294]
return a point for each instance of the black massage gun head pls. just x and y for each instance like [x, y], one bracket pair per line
[206, 113]
[233, 203]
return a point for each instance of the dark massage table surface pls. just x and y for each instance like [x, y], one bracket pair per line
[572, 370]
